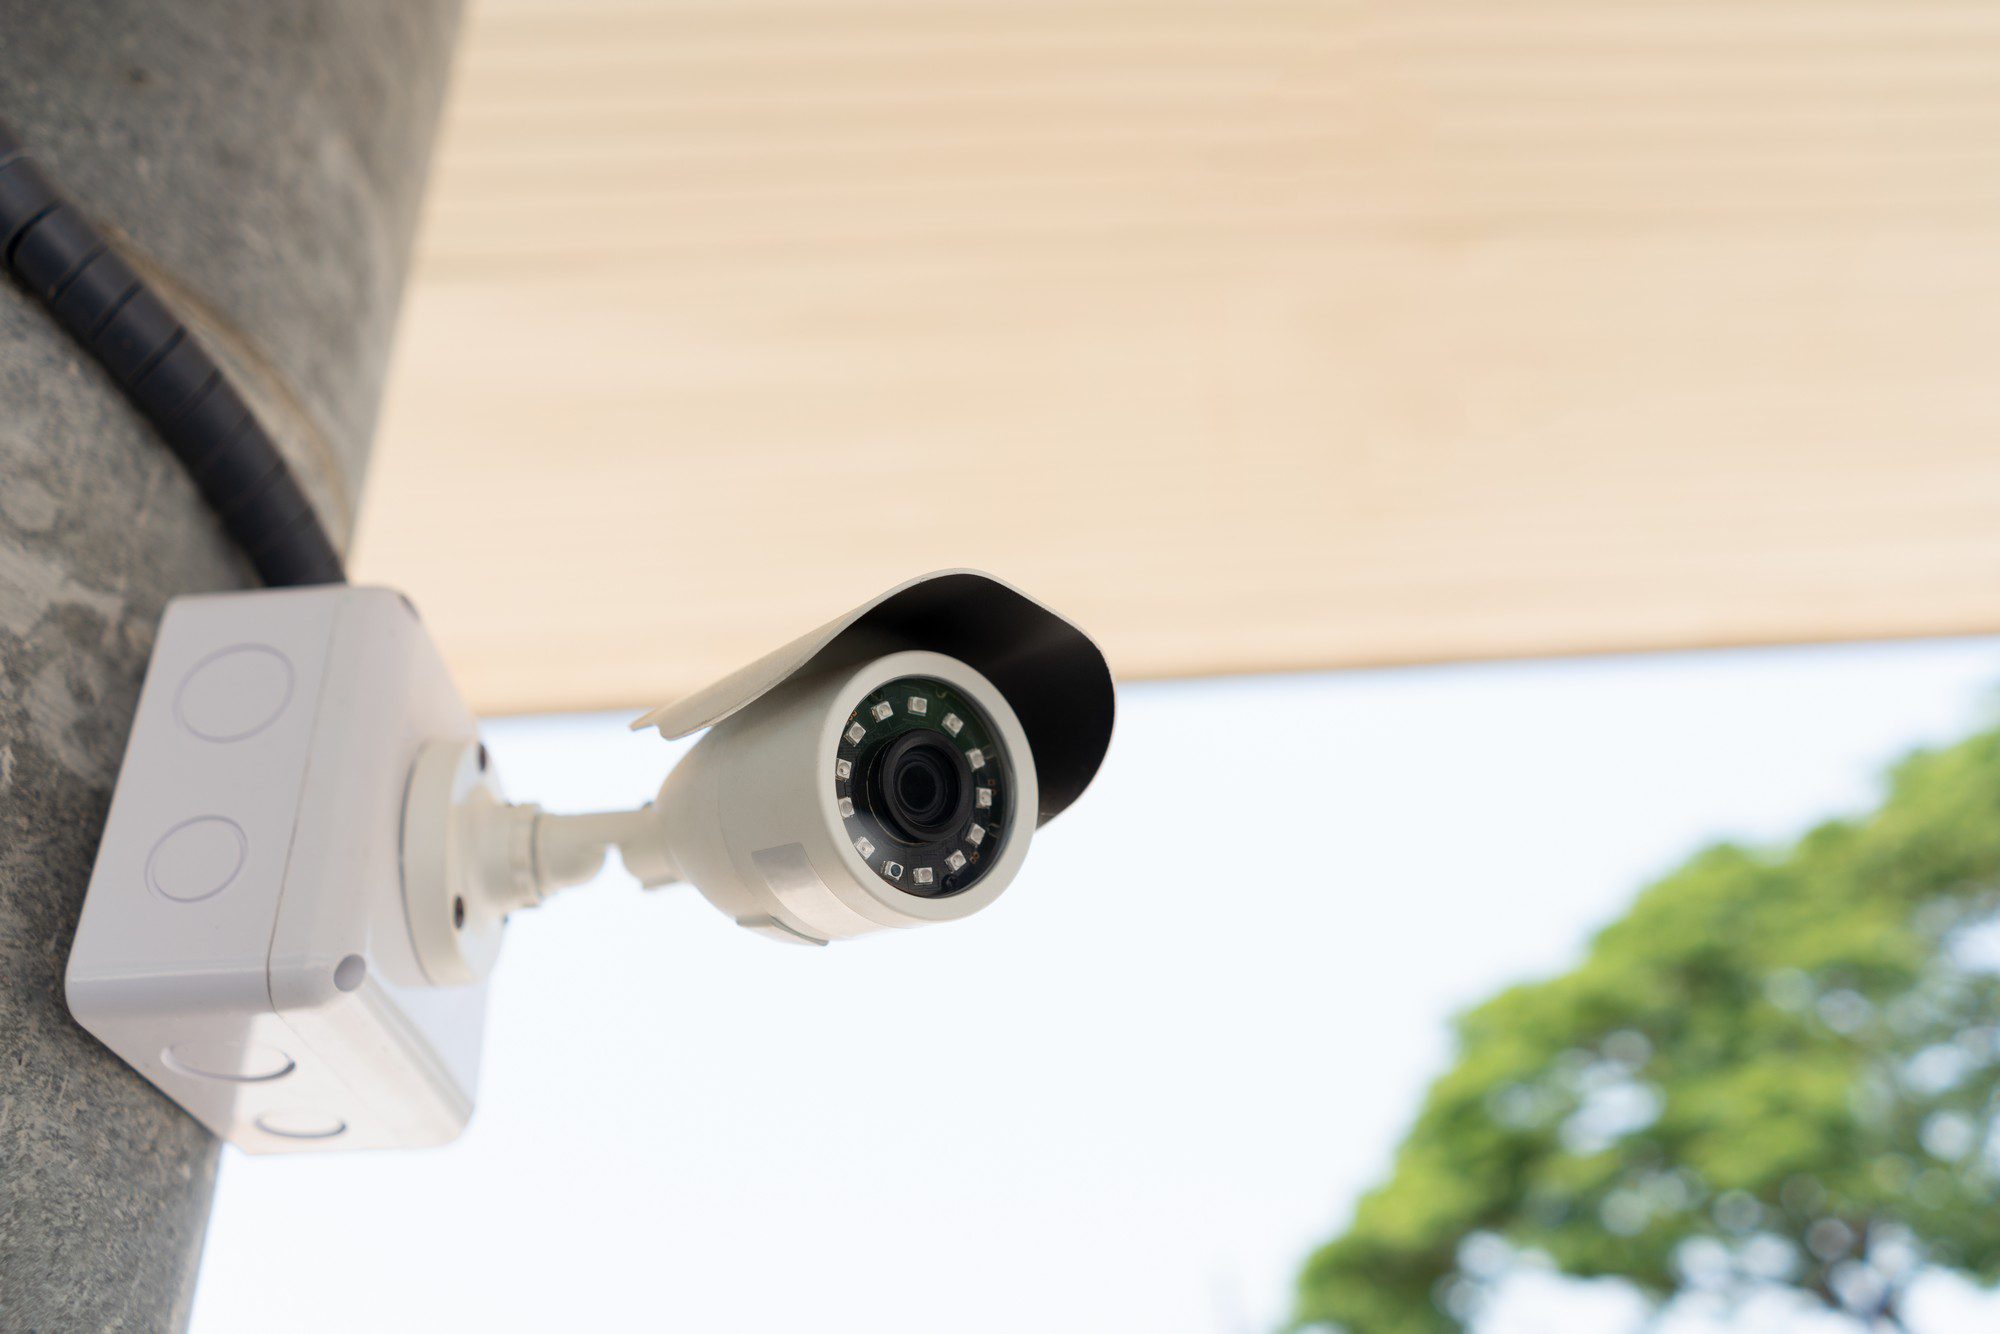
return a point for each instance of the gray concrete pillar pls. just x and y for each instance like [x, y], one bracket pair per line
[263, 162]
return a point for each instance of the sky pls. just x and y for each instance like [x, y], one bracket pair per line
[1131, 1095]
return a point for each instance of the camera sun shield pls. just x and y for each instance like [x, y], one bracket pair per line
[1053, 677]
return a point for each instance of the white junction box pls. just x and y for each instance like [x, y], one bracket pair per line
[244, 943]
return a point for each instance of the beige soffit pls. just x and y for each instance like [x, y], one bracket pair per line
[1252, 336]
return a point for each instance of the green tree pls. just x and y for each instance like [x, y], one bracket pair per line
[1778, 1068]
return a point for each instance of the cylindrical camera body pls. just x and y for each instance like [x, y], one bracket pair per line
[856, 799]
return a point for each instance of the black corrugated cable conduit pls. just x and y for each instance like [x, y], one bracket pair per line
[55, 253]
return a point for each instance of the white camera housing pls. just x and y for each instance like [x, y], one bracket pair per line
[308, 865]
[752, 820]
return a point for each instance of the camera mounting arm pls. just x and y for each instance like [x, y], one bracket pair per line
[471, 858]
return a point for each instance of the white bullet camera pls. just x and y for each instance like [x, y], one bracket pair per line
[890, 769]
[309, 862]
[887, 770]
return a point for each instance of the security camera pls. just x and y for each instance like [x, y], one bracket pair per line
[309, 863]
[887, 770]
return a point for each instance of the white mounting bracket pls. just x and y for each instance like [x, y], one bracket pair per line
[470, 859]
[453, 800]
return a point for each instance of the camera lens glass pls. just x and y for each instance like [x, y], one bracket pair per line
[923, 786]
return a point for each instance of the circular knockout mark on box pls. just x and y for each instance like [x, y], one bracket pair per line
[233, 1062]
[300, 1123]
[234, 693]
[197, 859]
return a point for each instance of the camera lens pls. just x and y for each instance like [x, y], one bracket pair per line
[922, 787]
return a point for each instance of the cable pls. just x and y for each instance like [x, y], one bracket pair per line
[54, 253]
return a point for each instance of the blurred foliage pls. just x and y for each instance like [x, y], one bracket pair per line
[1778, 1069]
